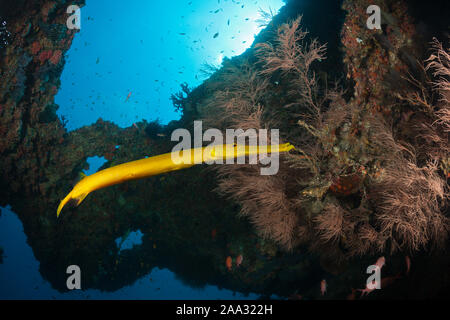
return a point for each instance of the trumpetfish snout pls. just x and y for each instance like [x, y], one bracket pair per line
[161, 164]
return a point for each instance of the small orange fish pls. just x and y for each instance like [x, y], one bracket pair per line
[239, 260]
[323, 287]
[213, 233]
[229, 263]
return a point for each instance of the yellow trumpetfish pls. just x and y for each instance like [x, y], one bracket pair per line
[161, 164]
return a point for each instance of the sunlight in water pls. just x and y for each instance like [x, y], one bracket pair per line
[127, 61]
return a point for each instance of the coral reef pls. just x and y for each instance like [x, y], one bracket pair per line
[360, 184]
[369, 177]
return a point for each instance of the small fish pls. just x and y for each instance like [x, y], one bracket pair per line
[213, 233]
[239, 260]
[216, 35]
[380, 262]
[228, 22]
[128, 97]
[408, 264]
[323, 287]
[182, 34]
[229, 263]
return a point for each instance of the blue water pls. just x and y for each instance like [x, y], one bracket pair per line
[127, 242]
[145, 50]
[123, 66]
[20, 277]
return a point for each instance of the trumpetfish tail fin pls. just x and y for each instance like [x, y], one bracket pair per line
[75, 200]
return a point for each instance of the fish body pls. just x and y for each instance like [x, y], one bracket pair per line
[380, 262]
[408, 264]
[239, 260]
[161, 164]
[128, 96]
[323, 287]
[229, 263]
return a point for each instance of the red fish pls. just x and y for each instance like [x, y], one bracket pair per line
[229, 263]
